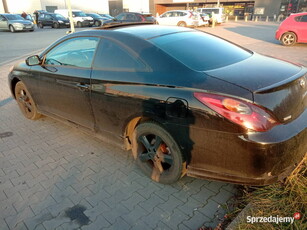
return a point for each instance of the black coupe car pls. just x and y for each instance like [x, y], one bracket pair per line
[184, 101]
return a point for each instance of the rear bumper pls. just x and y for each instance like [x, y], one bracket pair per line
[253, 158]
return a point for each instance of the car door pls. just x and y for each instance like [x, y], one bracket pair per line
[166, 18]
[3, 23]
[64, 80]
[302, 29]
[115, 80]
[120, 18]
[48, 20]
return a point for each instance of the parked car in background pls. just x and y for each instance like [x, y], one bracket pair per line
[218, 13]
[53, 20]
[203, 19]
[127, 17]
[178, 18]
[106, 16]
[29, 18]
[79, 17]
[293, 29]
[14, 22]
[184, 101]
[98, 19]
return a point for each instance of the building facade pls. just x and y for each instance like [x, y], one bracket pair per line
[239, 8]
[29, 6]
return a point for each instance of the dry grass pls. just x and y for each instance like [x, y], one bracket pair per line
[282, 199]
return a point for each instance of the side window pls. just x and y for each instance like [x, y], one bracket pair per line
[110, 56]
[78, 52]
[304, 18]
[41, 16]
[139, 18]
[2, 18]
[121, 17]
[297, 19]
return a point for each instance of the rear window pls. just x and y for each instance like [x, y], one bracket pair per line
[200, 51]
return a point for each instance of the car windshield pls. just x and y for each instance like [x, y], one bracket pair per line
[209, 11]
[79, 14]
[14, 17]
[106, 15]
[94, 15]
[58, 16]
[200, 51]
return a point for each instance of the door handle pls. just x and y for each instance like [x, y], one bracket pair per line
[83, 87]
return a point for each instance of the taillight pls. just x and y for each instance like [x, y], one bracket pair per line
[243, 113]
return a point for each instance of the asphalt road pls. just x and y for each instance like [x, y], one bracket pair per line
[17, 45]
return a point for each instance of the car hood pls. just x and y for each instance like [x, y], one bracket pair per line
[256, 72]
[20, 21]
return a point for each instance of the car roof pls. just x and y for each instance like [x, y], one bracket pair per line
[298, 14]
[179, 11]
[142, 31]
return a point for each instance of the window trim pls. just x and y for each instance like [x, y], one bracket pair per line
[130, 52]
[43, 55]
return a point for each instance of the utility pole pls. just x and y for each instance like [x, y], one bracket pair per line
[6, 10]
[297, 7]
[72, 26]
[218, 3]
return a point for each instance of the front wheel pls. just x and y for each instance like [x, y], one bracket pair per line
[12, 29]
[97, 23]
[157, 153]
[288, 39]
[56, 25]
[25, 102]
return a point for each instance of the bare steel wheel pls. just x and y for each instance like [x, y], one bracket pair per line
[25, 102]
[288, 39]
[157, 153]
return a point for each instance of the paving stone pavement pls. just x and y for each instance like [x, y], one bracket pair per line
[53, 176]
[48, 169]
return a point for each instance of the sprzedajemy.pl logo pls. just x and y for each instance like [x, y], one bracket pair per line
[273, 219]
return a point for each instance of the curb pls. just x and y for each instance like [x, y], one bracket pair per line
[241, 217]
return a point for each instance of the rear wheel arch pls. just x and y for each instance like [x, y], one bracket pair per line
[130, 127]
[157, 153]
[182, 23]
[288, 33]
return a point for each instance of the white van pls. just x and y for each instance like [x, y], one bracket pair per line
[79, 17]
[218, 12]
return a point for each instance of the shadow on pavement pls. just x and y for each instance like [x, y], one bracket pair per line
[260, 32]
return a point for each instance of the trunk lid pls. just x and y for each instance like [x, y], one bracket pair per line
[277, 85]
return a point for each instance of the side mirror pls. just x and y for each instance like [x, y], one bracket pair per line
[33, 60]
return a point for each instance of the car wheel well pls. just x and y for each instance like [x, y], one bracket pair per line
[287, 32]
[130, 127]
[13, 85]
